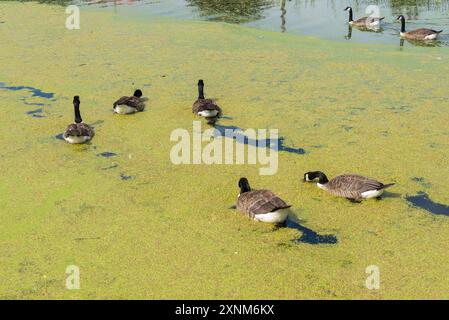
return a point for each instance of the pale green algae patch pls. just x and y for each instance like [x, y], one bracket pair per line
[167, 232]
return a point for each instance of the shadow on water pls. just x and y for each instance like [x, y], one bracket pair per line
[422, 200]
[308, 236]
[35, 92]
[237, 134]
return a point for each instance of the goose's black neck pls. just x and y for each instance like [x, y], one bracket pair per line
[244, 185]
[310, 176]
[76, 105]
[402, 25]
[350, 15]
[200, 89]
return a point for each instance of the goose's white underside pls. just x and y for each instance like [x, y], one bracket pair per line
[124, 109]
[374, 23]
[365, 195]
[208, 113]
[372, 194]
[431, 36]
[277, 216]
[76, 139]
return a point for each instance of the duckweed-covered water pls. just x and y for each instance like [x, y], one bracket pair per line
[139, 226]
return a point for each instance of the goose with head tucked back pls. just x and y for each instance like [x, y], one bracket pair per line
[206, 108]
[128, 105]
[350, 186]
[365, 22]
[261, 205]
[417, 34]
[78, 132]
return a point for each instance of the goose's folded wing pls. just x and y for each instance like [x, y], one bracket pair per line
[85, 130]
[260, 202]
[352, 184]
[205, 104]
[422, 32]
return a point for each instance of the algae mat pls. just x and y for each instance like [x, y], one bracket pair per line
[139, 226]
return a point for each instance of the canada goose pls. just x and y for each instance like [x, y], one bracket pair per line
[366, 22]
[78, 132]
[418, 34]
[205, 107]
[261, 205]
[127, 105]
[350, 186]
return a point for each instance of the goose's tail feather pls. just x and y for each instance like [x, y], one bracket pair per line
[385, 186]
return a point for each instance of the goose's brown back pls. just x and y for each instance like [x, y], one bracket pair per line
[350, 185]
[420, 34]
[259, 202]
[79, 130]
[205, 104]
[133, 102]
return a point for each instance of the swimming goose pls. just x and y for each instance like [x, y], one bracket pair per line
[261, 205]
[205, 107]
[78, 132]
[127, 105]
[350, 186]
[418, 34]
[366, 22]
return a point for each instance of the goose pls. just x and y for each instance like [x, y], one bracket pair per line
[205, 107]
[78, 132]
[366, 22]
[350, 186]
[261, 205]
[418, 34]
[127, 105]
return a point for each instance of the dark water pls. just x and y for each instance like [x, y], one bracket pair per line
[239, 137]
[34, 91]
[125, 177]
[36, 113]
[321, 18]
[422, 200]
[107, 154]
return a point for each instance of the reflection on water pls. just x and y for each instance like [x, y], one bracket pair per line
[324, 19]
[236, 11]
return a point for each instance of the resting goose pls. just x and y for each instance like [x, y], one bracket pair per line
[78, 132]
[350, 186]
[418, 34]
[366, 22]
[205, 107]
[127, 105]
[261, 205]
